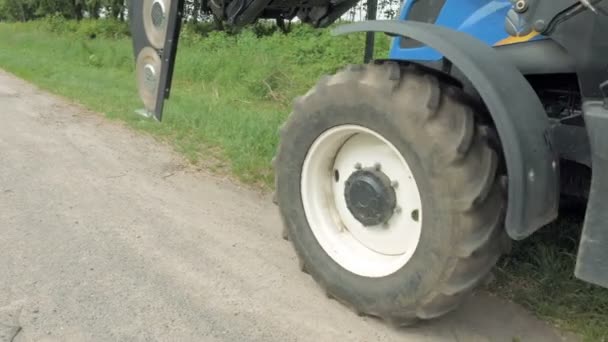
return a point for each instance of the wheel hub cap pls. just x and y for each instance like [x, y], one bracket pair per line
[370, 197]
[358, 193]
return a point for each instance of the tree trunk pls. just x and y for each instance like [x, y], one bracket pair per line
[94, 11]
[23, 18]
[115, 9]
[78, 9]
[219, 26]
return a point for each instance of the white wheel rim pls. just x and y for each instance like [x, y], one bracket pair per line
[375, 251]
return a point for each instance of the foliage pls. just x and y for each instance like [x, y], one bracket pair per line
[17, 10]
[86, 28]
[195, 11]
[25, 10]
[219, 77]
[539, 274]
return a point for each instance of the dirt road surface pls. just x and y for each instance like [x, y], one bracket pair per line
[106, 235]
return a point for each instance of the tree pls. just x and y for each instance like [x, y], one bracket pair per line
[115, 8]
[92, 8]
[17, 10]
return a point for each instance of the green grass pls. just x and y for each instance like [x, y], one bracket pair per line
[539, 275]
[230, 95]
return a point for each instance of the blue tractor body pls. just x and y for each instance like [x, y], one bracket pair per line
[483, 19]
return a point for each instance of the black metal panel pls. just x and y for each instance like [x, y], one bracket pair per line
[167, 54]
[592, 261]
[537, 15]
[426, 11]
[518, 114]
[576, 27]
[245, 14]
[372, 6]
[174, 23]
[538, 57]
[584, 37]
[572, 143]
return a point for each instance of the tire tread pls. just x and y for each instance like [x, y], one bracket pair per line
[470, 161]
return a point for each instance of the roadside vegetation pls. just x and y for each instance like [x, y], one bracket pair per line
[230, 94]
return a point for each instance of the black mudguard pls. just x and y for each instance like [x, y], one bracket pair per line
[592, 260]
[520, 119]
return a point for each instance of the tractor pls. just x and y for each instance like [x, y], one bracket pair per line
[400, 182]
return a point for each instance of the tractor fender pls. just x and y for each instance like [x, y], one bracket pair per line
[520, 119]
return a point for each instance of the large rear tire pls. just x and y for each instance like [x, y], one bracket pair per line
[436, 232]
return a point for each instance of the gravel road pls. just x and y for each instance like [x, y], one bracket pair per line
[107, 235]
